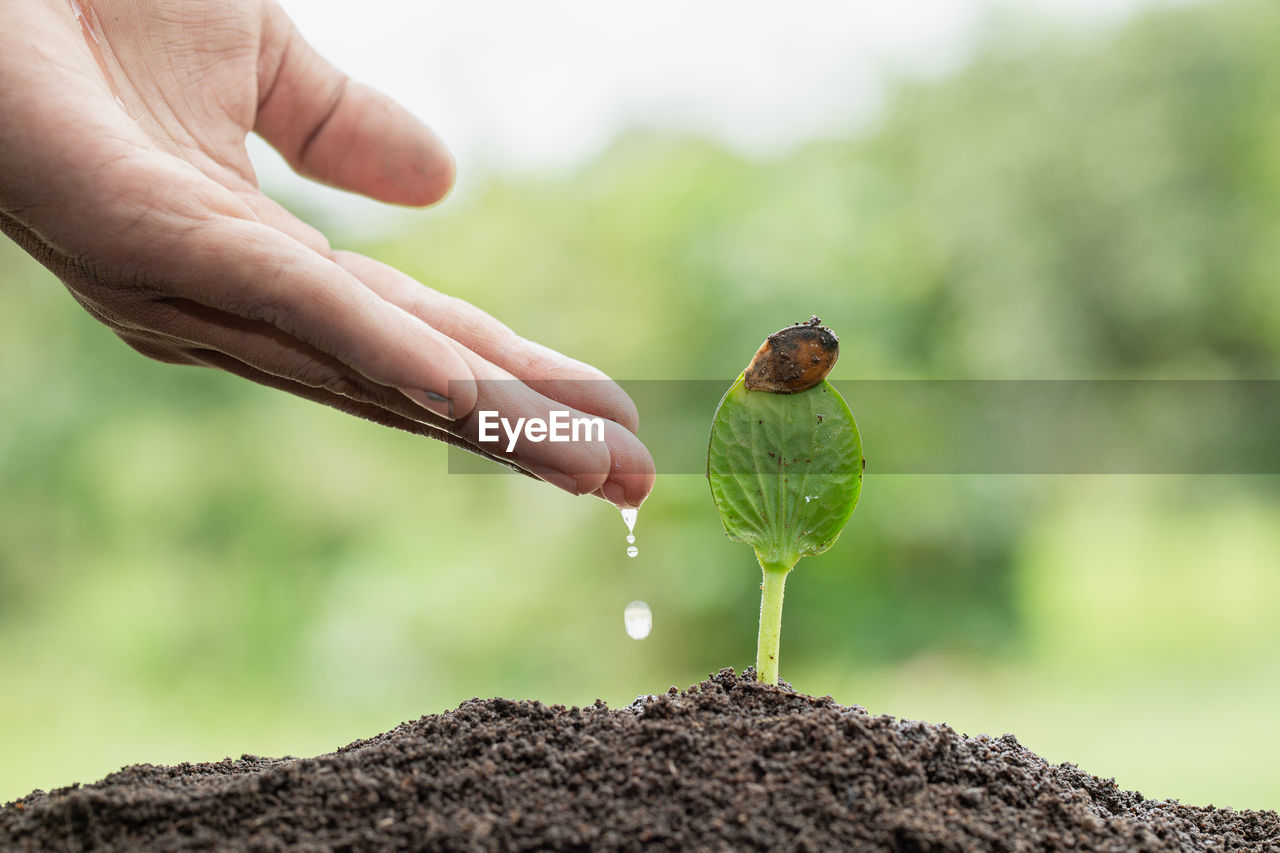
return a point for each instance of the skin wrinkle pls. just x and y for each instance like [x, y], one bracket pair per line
[87, 50]
[62, 125]
[229, 363]
[333, 377]
[334, 104]
[226, 174]
[273, 76]
[350, 141]
[370, 396]
[274, 214]
[155, 347]
[238, 112]
[203, 203]
[197, 146]
[212, 358]
[194, 79]
[194, 145]
[179, 225]
[31, 242]
[63, 266]
[131, 271]
[460, 320]
[268, 308]
[64, 64]
[196, 314]
[111, 58]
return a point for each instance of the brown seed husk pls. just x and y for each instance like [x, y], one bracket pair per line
[793, 359]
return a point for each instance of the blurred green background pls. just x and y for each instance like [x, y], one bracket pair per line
[193, 567]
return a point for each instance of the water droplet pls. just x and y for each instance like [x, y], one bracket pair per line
[638, 619]
[629, 517]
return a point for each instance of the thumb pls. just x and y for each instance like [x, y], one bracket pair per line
[340, 132]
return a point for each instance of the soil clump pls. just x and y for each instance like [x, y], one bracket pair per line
[728, 764]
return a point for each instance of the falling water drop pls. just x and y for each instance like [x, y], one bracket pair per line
[636, 616]
[638, 620]
[629, 516]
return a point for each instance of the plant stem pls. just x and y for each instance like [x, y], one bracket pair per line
[775, 581]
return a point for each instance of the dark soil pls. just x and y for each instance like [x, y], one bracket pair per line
[727, 765]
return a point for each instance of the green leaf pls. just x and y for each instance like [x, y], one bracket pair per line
[785, 470]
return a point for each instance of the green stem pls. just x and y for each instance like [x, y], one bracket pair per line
[775, 581]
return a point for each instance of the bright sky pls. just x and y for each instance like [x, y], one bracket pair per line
[512, 84]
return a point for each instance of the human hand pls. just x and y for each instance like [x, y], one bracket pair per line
[123, 170]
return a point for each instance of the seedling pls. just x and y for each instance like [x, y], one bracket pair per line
[785, 464]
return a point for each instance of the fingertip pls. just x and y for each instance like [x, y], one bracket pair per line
[632, 473]
[380, 149]
[448, 388]
[585, 473]
[635, 489]
[341, 132]
[432, 401]
[435, 172]
[461, 390]
[592, 467]
[626, 491]
[626, 413]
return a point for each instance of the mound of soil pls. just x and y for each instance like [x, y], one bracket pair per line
[728, 764]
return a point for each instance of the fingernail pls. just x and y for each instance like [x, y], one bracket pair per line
[615, 493]
[431, 401]
[556, 478]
